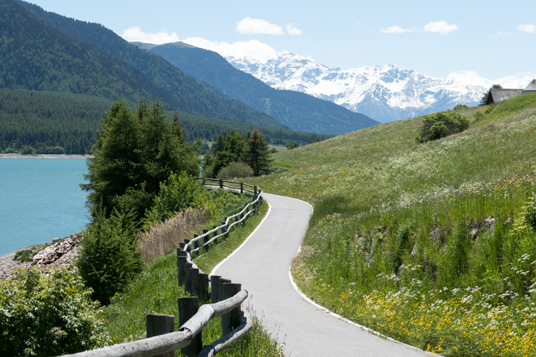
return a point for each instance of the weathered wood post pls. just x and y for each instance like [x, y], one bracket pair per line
[224, 227]
[188, 307]
[195, 281]
[220, 287]
[230, 320]
[241, 187]
[196, 243]
[158, 324]
[181, 261]
[187, 277]
[255, 189]
[221, 183]
[214, 288]
[202, 291]
[206, 238]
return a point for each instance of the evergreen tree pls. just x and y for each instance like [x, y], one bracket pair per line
[133, 154]
[258, 153]
[116, 158]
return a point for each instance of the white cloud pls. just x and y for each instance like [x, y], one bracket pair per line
[135, 34]
[249, 26]
[293, 30]
[252, 50]
[441, 27]
[528, 28]
[396, 29]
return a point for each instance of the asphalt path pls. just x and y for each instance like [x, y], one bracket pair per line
[262, 266]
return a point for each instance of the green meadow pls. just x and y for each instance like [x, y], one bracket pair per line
[433, 243]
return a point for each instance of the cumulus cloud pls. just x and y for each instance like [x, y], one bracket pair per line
[396, 29]
[135, 34]
[441, 27]
[249, 26]
[528, 28]
[253, 50]
[293, 30]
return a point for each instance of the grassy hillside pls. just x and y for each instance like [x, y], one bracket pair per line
[433, 244]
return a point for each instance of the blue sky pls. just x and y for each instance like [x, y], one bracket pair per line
[492, 38]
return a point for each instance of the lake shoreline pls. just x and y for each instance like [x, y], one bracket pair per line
[43, 156]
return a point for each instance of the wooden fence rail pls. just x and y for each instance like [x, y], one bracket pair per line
[226, 297]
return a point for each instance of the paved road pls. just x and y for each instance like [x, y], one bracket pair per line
[262, 266]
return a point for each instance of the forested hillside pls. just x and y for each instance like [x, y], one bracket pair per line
[48, 122]
[296, 110]
[59, 76]
[154, 77]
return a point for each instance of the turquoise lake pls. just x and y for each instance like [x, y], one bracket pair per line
[40, 199]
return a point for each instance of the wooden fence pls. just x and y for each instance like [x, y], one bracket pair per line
[225, 296]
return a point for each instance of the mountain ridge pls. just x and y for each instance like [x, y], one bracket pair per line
[297, 110]
[383, 92]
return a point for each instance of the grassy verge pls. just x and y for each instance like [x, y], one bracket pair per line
[156, 291]
[433, 243]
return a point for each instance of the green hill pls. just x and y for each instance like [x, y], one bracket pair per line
[296, 110]
[433, 244]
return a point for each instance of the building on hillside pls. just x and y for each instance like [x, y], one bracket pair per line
[498, 95]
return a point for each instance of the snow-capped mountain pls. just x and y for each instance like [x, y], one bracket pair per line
[384, 93]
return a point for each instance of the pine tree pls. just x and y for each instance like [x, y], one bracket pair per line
[258, 153]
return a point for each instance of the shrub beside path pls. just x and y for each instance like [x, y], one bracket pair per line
[262, 265]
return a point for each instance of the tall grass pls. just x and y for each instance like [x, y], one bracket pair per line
[166, 236]
[428, 243]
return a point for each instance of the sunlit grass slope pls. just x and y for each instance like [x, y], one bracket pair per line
[433, 244]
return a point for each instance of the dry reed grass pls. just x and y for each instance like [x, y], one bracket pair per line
[166, 236]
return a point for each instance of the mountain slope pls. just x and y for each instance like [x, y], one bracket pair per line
[385, 93]
[297, 110]
[101, 63]
[38, 57]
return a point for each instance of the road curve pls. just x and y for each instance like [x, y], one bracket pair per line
[262, 266]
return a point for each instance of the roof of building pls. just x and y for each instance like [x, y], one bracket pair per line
[498, 94]
[532, 85]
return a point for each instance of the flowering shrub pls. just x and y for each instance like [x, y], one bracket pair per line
[48, 313]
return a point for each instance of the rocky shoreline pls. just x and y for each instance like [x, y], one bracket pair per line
[59, 252]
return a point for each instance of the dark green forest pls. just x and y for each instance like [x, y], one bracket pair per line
[64, 123]
[59, 76]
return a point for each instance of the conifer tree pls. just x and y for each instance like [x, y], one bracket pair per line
[258, 153]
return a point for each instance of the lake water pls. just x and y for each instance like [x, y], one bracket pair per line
[40, 199]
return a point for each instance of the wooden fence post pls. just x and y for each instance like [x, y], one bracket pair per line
[255, 191]
[221, 183]
[158, 324]
[195, 281]
[214, 288]
[196, 243]
[241, 187]
[202, 291]
[188, 277]
[225, 228]
[206, 238]
[188, 307]
[220, 287]
[181, 261]
[230, 320]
